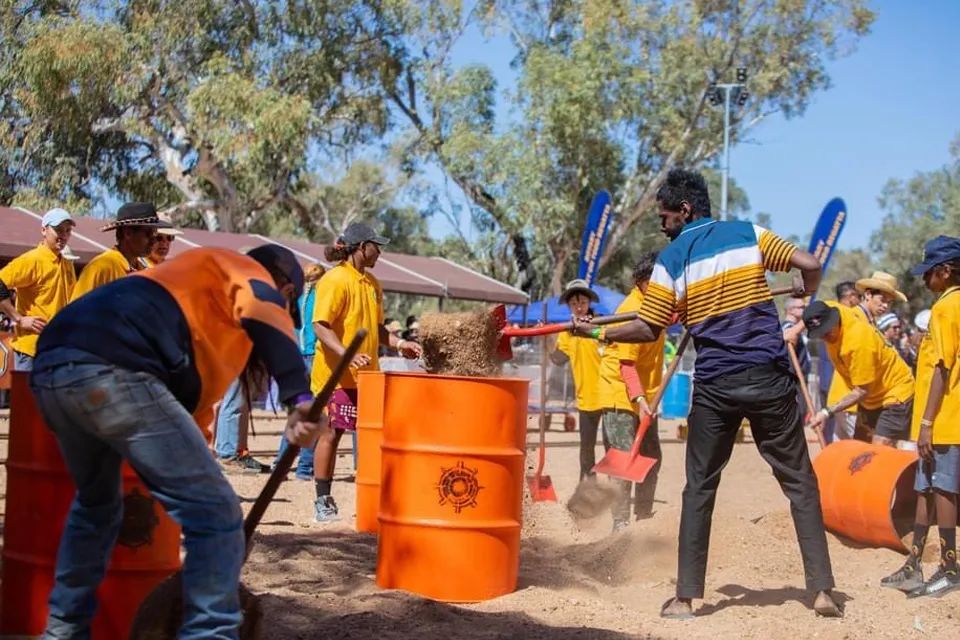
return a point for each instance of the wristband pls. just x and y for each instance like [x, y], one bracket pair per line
[825, 412]
[297, 399]
[596, 332]
[925, 423]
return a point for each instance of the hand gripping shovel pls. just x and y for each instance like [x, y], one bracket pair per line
[806, 392]
[505, 333]
[630, 465]
[160, 614]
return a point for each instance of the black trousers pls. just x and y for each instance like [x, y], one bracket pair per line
[589, 424]
[766, 396]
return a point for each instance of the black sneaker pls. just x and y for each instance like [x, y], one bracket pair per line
[941, 583]
[245, 463]
[905, 579]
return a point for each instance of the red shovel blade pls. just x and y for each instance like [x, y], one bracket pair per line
[504, 350]
[625, 465]
[541, 488]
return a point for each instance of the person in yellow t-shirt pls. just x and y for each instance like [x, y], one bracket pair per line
[844, 422]
[348, 298]
[43, 279]
[135, 227]
[160, 247]
[630, 375]
[935, 426]
[583, 354]
[880, 381]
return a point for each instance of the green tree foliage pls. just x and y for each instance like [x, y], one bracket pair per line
[917, 210]
[611, 94]
[208, 107]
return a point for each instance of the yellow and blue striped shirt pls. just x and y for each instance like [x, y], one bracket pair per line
[713, 275]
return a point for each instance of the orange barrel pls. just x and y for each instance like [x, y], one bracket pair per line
[369, 436]
[39, 492]
[451, 489]
[867, 492]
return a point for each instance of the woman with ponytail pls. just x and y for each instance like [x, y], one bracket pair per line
[348, 298]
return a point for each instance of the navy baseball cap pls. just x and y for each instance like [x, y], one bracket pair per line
[820, 318]
[937, 251]
[281, 259]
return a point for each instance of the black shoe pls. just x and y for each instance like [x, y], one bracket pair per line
[245, 463]
[905, 579]
[941, 583]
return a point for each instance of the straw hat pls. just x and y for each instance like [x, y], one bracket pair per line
[881, 281]
[136, 214]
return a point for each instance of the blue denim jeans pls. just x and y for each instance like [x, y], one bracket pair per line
[227, 437]
[21, 361]
[101, 415]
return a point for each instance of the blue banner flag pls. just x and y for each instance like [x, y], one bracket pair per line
[599, 221]
[825, 234]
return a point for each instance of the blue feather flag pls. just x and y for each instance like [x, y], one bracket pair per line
[826, 233]
[599, 221]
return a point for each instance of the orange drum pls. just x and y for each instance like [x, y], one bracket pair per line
[369, 437]
[867, 492]
[39, 493]
[451, 485]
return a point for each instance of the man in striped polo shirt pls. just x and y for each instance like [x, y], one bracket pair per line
[713, 276]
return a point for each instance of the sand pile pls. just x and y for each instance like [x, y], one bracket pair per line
[462, 344]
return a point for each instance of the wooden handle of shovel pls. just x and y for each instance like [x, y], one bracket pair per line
[290, 454]
[558, 327]
[807, 398]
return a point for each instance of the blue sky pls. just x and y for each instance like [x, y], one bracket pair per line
[891, 112]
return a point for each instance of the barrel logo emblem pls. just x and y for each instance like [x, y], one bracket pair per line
[458, 486]
[861, 461]
[139, 520]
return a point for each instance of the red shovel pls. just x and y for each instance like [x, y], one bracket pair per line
[630, 465]
[504, 352]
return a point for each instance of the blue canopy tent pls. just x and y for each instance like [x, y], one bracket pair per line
[558, 312]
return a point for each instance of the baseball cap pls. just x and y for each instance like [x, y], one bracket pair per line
[937, 251]
[281, 259]
[55, 217]
[820, 318]
[359, 232]
[922, 320]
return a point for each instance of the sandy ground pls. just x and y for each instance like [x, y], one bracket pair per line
[576, 579]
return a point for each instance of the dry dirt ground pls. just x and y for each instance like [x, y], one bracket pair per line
[576, 579]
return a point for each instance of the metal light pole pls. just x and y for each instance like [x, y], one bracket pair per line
[739, 89]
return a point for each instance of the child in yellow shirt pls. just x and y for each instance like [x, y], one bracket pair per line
[935, 425]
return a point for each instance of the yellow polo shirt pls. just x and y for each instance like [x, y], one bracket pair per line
[647, 356]
[348, 301]
[106, 267]
[584, 355]
[43, 282]
[941, 344]
[839, 388]
[863, 359]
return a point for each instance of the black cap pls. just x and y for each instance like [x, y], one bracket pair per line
[358, 233]
[820, 318]
[277, 258]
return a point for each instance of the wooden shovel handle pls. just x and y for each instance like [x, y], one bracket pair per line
[285, 462]
[807, 398]
[558, 327]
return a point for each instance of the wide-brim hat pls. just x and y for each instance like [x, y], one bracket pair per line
[167, 229]
[881, 281]
[136, 214]
[820, 318]
[578, 286]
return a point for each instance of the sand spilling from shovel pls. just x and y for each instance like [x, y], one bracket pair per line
[461, 344]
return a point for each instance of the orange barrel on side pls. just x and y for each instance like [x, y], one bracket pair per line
[38, 496]
[451, 491]
[369, 437]
[866, 492]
